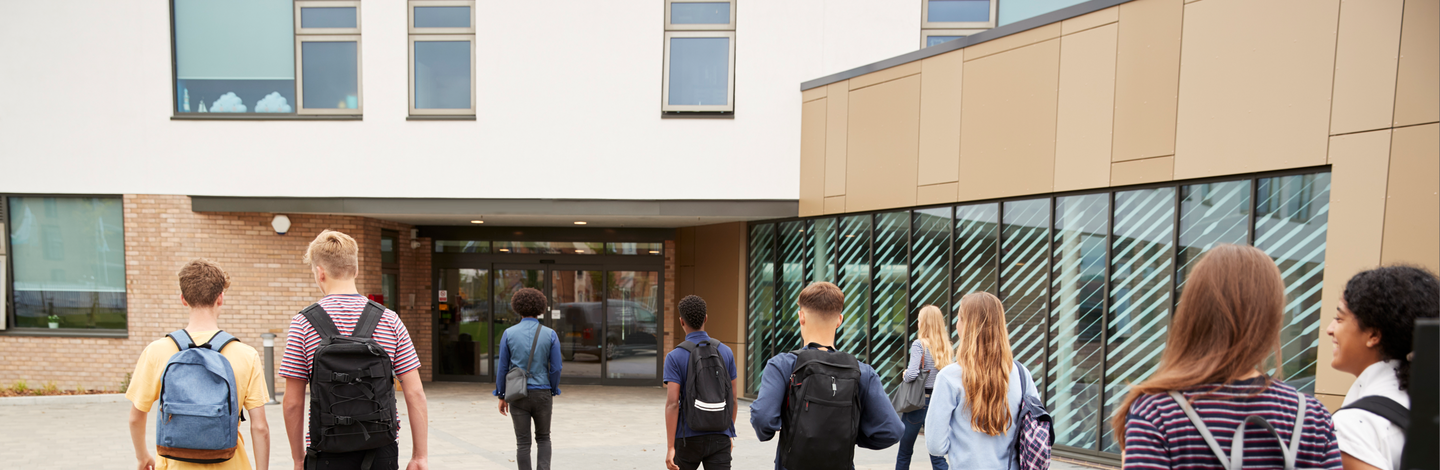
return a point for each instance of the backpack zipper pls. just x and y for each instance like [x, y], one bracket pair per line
[833, 391]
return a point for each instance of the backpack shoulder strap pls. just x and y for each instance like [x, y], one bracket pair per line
[1383, 407]
[182, 339]
[1294, 450]
[369, 319]
[688, 345]
[220, 340]
[1200, 425]
[320, 321]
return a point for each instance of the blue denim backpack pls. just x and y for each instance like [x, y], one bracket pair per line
[199, 408]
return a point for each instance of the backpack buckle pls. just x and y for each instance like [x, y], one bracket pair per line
[344, 420]
[341, 377]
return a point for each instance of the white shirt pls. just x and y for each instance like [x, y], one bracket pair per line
[1364, 435]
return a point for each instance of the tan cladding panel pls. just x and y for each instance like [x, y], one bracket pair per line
[1150, 170]
[1359, 166]
[940, 85]
[1412, 211]
[882, 76]
[1087, 105]
[835, 205]
[1365, 59]
[1147, 79]
[1255, 92]
[837, 112]
[1013, 41]
[719, 279]
[883, 145]
[1007, 136]
[1417, 88]
[812, 157]
[1090, 20]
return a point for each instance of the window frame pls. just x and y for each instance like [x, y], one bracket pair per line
[7, 277]
[301, 4]
[925, 22]
[925, 34]
[729, 106]
[410, 17]
[300, 108]
[699, 27]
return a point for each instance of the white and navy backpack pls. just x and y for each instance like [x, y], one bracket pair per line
[199, 407]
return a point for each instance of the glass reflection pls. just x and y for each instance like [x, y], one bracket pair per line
[1078, 302]
[632, 324]
[331, 74]
[575, 316]
[464, 322]
[507, 281]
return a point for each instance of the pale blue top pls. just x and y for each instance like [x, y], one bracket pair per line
[949, 418]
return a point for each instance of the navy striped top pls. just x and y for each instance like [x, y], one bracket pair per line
[1159, 436]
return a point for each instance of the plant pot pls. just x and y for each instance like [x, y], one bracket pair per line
[54, 325]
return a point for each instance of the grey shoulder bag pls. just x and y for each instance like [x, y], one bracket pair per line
[911, 395]
[1236, 460]
[518, 379]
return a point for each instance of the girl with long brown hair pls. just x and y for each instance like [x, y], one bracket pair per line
[1224, 333]
[972, 410]
[930, 352]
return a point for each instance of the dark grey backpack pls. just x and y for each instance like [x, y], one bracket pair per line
[352, 386]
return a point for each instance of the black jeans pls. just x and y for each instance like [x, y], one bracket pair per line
[386, 458]
[534, 407]
[711, 449]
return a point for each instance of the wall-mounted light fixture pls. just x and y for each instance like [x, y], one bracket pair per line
[280, 223]
[414, 239]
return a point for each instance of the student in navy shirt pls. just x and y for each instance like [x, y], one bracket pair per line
[711, 448]
[821, 304]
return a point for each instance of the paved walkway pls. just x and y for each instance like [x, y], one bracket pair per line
[599, 428]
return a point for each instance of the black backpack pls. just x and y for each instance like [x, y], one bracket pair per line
[822, 411]
[352, 386]
[709, 399]
[1391, 410]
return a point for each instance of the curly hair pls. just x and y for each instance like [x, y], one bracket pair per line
[1389, 299]
[692, 310]
[528, 302]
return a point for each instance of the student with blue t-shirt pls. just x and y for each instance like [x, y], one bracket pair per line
[686, 448]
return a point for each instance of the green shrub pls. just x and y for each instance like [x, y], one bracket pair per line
[125, 384]
[20, 387]
[51, 388]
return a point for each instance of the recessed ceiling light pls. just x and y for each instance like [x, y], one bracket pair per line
[579, 251]
[477, 221]
[579, 222]
[654, 252]
[504, 250]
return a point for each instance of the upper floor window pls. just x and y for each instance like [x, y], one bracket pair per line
[947, 20]
[699, 56]
[327, 47]
[442, 57]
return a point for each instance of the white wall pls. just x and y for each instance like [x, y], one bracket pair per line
[568, 97]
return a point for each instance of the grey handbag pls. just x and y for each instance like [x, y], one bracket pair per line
[517, 380]
[911, 395]
[1236, 458]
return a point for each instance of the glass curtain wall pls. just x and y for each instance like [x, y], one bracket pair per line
[1088, 281]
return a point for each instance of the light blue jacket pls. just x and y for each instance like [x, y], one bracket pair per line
[514, 351]
[948, 430]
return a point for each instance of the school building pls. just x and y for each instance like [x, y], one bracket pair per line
[1072, 157]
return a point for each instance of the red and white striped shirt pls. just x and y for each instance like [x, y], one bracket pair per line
[344, 310]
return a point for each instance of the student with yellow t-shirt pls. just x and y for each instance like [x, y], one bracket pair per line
[202, 289]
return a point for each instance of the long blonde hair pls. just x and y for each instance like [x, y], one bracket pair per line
[935, 336]
[986, 360]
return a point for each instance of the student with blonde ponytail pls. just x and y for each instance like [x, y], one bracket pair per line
[976, 399]
[928, 354]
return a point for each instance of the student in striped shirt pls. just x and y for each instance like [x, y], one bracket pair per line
[1224, 330]
[334, 260]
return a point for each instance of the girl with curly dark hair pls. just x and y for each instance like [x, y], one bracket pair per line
[1372, 338]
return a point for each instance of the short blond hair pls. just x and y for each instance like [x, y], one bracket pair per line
[336, 252]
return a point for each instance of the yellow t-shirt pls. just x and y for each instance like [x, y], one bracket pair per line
[249, 384]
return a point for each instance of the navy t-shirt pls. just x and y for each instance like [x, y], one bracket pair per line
[677, 365]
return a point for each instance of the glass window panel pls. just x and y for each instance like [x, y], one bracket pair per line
[933, 40]
[634, 248]
[976, 249]
[442, 74]
[327, 17]
[507, 282]
[1077, 299]
[461, 246]
[1012, 11]
[1210, 214]
[389, 291]
[1140, 288]
[700, 13]
[699, 71]
[1291, 218]
[760, 316]
[1024, 268]
[442, 17]
[550, 248]
[855, 284]
[245, 64]
[464, 322]
[331, 74]
[577, 298]
[794, 244]
[632, 339]
[930, 261]
[889, 337]
[955, 11]
[387, 250]
[68, 262]
[822, 259]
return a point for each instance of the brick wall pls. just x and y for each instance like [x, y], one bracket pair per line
[269, 284]
[672, 329]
